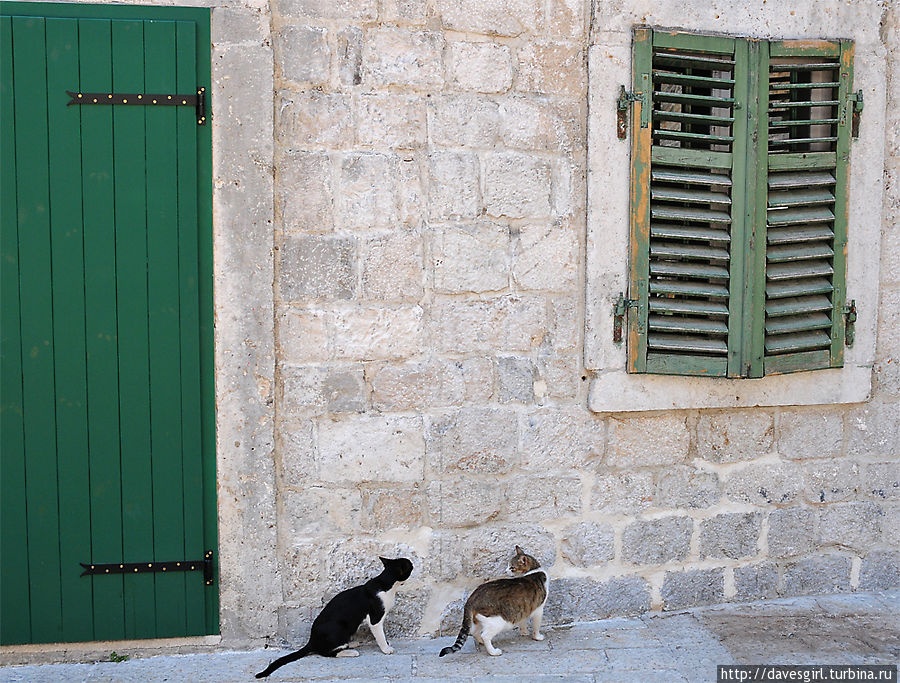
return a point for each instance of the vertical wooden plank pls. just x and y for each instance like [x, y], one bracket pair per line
[163, 306]
[14, 588]
[101, 328]
[189, 307]
[742, 170]
[68, 326]
[30, 80]
[131, 286]
[841, 205]
[639, 238]
[758, 193]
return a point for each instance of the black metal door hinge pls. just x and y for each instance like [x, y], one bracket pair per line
[622, 305]
[856, 99]
[197, 100]
[849, 323]
[205, 565]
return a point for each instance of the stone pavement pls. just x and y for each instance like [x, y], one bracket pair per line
[862, 628]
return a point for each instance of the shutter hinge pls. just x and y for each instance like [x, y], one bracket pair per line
[622, 106]
[198, 100]
[622, 305]
[849, 322]
[857, 99]
[205, 565]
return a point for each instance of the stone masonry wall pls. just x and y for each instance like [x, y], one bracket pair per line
[430, 397]
[400, 227]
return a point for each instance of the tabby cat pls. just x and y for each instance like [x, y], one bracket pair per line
[499, 605]
[345, 613]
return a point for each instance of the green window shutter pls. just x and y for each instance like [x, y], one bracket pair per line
[808, 126]
[688, 176]
[738, 205]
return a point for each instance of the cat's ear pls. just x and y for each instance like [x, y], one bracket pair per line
[519, 551]
[384, 561]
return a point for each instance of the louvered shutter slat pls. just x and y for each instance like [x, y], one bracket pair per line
[818, 321]
[784, 307]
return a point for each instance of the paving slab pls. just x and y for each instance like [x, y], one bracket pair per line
[687, 645]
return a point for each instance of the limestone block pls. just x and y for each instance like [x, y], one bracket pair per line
[567, 18]
[304, 192]
[488, 549]
[367, 196]
[303, 54]
[777, 483]
[395, 56]
[816, 575]
[351, 561]
[734, 436]
[734, 535]
[500, 17]
[532, 498]
[453, 190]
[881, 480]
[371, 448]
[873, 429]
[351, 10]
[239, 25]
[792, 531]
[315, 511]
[560, 374]
[302, 570]
[810, 434]
[684, 486]
[587, 544]
[623, 492]
[880, 571]
[317, 390]
[542, 124]
[378, 333]
[317, 266]
[474, 440]
[433, 383]
[391, 120]
[552, 68]
[394, 507]
[560, 439]
[470, 258]
[565, 322]
[464, 121]
[583, 599]
[517, 185]
[646, 441]
[510, 323]
[692, 588]
[546, 258]
[302, 335]
[479, 67]
[830, 481]
[515, 379]
[756, 582]
[657, 541]
[850, 525]
[464, 502]
[296, 453]
[406, 614]
[310, 117]
[392, 267]
[404, 11]
[349, 55]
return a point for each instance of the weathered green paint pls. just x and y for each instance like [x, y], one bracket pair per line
[798, 362]
[802, 161]
[672, 364]
[694, 41]
[108, 450]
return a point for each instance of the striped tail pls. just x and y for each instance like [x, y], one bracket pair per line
[463, 634]
[287, 659]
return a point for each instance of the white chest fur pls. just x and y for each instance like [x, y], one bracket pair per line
[387, 598]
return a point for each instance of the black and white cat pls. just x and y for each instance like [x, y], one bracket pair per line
[345, 613]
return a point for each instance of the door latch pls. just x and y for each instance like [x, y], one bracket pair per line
[849, 322]
[622, 107]
[856, 98]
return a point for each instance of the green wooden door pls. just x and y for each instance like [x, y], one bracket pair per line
[107, 412]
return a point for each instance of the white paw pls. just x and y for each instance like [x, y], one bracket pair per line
[347, 653]
[538, 636]
[388, 650]
[495, 652]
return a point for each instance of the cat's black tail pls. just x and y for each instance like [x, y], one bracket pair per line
[287, 659]
[463, 634]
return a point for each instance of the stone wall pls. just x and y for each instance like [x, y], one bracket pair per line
[401, 232]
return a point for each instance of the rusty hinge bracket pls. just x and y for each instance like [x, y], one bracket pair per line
[197, 100]
[622, 110]
[205, 565]
[856, 98]
[622, 305]
[849, 323]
